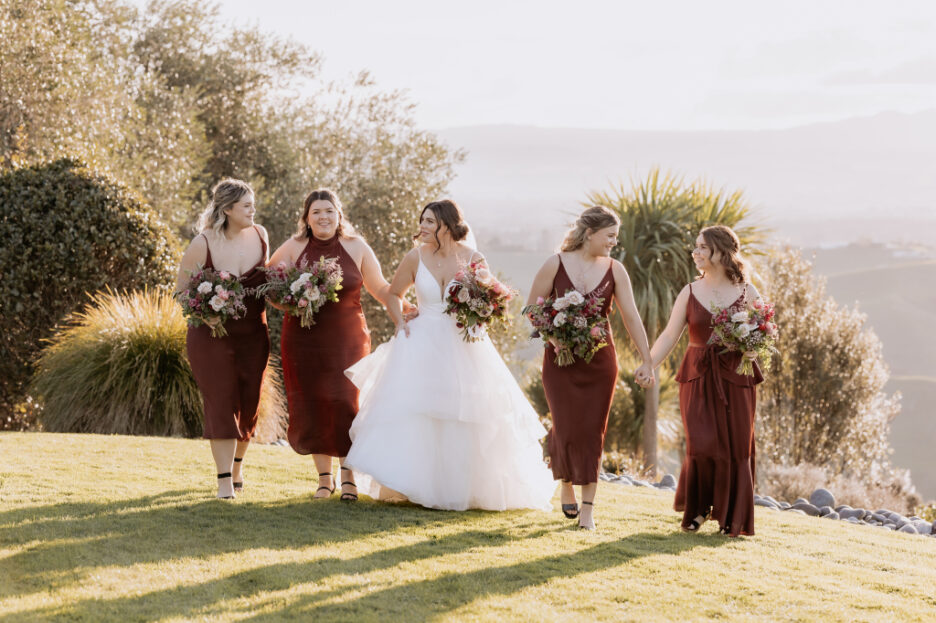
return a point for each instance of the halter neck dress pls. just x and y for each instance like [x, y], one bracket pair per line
[322, 401]
[229, 370]
[579, 397]
[717, 406]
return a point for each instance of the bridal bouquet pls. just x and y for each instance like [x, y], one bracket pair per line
[211, 298]
[302, 290]
[476, 299]
[573, 323]
[749, 331]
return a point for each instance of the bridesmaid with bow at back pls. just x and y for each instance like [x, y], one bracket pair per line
[717, 403]
[322, 401]
[580, 394]
[229, 370]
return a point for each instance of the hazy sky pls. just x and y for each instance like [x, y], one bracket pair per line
[624, 64]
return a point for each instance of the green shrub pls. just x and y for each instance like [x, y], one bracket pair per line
[120, 367]
[65, 232]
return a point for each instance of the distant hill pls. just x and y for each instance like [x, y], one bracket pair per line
[866, 177]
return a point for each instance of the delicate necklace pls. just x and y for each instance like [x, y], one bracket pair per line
[584, 268]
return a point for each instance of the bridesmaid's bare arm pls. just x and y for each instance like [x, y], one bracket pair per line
[542, 283]
[404, 278]
[674, 329]
[288, 253]
[374, 280]
[195, 255]
[266, 240]
[624, 296]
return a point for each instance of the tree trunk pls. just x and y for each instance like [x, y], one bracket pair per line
[651, 406]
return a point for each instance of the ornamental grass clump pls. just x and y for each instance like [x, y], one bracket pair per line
[120, 367]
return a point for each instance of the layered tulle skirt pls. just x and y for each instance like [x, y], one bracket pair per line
[443, 422]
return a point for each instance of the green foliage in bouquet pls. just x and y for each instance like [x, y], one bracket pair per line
[120, 367]
[64, 232]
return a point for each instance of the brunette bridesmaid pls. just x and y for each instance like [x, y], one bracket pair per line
[580, 394]
[229, 370]
[322, 401]
[717, 403]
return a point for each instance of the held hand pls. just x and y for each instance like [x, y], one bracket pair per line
[409, 311]
[213, 321]
[404, 327]
[750, 355]
[644, 376]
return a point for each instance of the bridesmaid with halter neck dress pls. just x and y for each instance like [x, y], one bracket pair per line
[229, 370]
[717, 404]
[322, 401]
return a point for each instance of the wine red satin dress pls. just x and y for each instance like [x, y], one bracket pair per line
[579, 397]
[717, 406]
[229, 369]
[322, 400]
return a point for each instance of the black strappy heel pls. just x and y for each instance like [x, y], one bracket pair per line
[570, 510]
[348, 497]
[221, 477]
[696, 523]
[585, 527]
[238, 486]
[330, 490]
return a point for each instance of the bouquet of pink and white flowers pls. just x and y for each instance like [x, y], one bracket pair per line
[302, 290]
[212, 297]
[476, 299]
[573, 323]
[748, 331]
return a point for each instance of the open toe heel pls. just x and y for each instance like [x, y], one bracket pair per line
[222, 477]
[329, 489]
[348, 497]
[238, 486]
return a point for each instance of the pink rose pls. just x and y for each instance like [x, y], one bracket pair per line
[540, 300]
[302, 303]
[224, 295]
[596, 332]
[224, 274]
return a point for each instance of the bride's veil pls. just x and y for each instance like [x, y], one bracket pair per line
[470, 240]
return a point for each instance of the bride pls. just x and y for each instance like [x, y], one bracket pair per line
[441, 420]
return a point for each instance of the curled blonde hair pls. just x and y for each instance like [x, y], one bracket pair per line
[589, 221]
[304, 232]
[225, 193]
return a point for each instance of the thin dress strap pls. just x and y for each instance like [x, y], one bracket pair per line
[208, 262]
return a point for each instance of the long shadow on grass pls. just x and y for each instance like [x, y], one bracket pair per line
[423, 600]
[201, 598]
[68, 541]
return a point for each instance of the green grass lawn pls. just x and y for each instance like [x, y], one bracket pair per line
[98, 528]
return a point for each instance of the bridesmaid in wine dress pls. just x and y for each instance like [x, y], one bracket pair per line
[322, 401]
[580, 394]
[717, 403]
[229, 370]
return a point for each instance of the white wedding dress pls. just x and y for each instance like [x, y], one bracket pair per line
[443, 422]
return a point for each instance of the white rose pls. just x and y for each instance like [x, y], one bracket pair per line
[575, 297]
[484, 276]
[216, 302]
[218, 288]
[561, 303]
[740, 316]
[204, 287]
[560, 319]
[313, 295]
[486, 311]
[463, 295]
[743, 330]
[296, 285]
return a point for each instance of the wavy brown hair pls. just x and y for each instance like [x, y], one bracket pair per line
[589, 221]
[448, 213]
[304, 232]
[725, 241]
